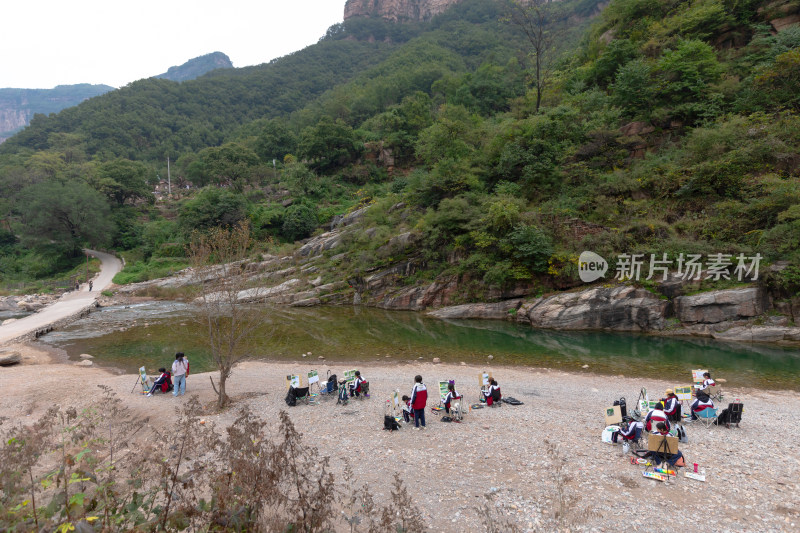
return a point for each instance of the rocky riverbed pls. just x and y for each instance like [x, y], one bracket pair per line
[501, 454]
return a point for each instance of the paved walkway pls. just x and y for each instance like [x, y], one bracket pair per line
[70, 304]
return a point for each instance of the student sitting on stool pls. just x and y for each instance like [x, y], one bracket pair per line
[702, 402]
[628, 432]
[451, 395]
[355, 386]
[408, 413]
[672, 406]
[662, 429]
[656, 415]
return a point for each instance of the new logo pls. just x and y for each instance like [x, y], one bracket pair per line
[591, 267]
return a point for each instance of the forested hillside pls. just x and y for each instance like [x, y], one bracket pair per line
[647, 126]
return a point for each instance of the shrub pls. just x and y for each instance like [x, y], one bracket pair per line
[299, 221]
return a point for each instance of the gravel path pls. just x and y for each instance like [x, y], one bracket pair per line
[752, 472]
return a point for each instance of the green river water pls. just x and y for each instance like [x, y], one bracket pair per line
[149, 334]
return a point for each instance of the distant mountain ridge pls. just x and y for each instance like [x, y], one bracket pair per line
[17, 106]
[397, 10]
[194, 68]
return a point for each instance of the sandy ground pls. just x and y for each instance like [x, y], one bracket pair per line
[753, 472]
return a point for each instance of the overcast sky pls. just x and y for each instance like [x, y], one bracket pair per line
[44, 43]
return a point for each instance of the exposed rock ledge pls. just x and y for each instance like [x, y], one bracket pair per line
[724, 315]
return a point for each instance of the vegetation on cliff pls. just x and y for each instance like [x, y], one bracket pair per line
[663, 127]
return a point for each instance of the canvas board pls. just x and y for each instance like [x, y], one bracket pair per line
[684, 393]
[655, 444]
[613, 415]
[443, 389]
[697, 375]
[313, 377]
[293, 381]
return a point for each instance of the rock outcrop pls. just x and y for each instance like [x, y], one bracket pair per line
[397, 9]
[721, 306]
[622, 308]
[490, 311]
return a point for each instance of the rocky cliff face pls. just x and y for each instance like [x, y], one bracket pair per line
[397, 9]
[17, 106]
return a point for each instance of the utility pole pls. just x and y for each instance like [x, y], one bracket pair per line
[274, 170]
[169, 180]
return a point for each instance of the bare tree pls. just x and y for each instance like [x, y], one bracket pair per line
[536, 19]
[230, 308]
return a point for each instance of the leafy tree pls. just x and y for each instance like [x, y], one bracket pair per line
[275, 140]
[229, 164]
[329, 145]
[616, 54]
[212, 207]
[453, 135]
[532, 246]
[69, 214]
[122, 180]
[632, 87]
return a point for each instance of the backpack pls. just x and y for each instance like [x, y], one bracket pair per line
[291, 399]
[389, 423]
[343, 397]
[331, 383]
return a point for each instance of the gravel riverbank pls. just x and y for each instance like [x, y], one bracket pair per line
[752, 472]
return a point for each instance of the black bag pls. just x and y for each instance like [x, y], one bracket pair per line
[331, 383]
[291, 399]
[389, 423]
[623, 407]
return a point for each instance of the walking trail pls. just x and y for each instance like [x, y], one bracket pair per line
[70, 304]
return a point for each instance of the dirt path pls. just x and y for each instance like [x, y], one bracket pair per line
[69, 305]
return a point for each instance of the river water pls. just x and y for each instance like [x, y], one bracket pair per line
[149, 334]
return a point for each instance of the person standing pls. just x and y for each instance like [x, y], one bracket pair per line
[419, 399]
[91, 283]
[180, 369]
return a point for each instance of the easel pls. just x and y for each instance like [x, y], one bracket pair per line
[637, 412]
[141, 378]
[663, 452]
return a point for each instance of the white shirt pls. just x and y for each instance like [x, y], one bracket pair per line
[179, 368]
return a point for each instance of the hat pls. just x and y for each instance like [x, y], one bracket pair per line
[669, 391]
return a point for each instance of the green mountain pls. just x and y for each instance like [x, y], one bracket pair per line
[500, 151]
[194, 68]
[17, 106]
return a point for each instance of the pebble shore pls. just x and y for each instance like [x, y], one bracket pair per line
[752, 473]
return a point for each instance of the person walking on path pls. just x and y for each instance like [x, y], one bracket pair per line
[180, 369]
[419, 399]
[90, 285]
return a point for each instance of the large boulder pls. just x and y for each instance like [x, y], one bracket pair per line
[720, 306]
[8, 358]
[622, 308]
[496, 311]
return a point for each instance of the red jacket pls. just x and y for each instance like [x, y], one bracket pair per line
[419, 396]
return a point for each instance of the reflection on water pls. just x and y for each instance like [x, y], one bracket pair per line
[149, 334]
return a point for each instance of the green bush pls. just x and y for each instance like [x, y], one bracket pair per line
[299, 221]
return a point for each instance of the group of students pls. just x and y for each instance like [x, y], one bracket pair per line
[665, 412]
[414, 405]
[180, 369]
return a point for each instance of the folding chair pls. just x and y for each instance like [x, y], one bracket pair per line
[707, 416]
